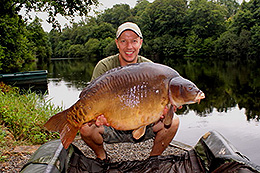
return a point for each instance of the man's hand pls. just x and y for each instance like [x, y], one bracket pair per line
[101, 120]
[166, 109]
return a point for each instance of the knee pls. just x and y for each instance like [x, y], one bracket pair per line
[172, 129]
[175, 122]
[174, 126]
[85, 130]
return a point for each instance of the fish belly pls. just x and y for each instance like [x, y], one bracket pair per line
[133, 106]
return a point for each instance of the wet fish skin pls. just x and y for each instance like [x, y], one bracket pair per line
[182, 91]
[130, 98]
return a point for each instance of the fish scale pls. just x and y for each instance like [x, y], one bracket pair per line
[129, 97]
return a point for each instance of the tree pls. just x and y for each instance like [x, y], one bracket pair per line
[14, 45]
[103, 30]
[231, 5]
[247, 17]
[227, 46]
[108, 47]
[242, 39]
[255, 38]
[117, 15]
[65, 8]
[92, 49]
[17, 45]
[39, 41]
[62, 49]
[54, 36]
[140, 7]
[162, 24]
[206, 18]
[163, 17]
[76, 51]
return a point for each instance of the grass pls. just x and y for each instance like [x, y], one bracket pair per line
[22, 117]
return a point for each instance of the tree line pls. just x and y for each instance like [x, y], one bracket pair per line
[22, 43]
[173, 30]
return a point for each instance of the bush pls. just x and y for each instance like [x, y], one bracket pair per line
[23, 116]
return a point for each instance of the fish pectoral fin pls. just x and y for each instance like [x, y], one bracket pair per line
[168, 117]
[138, 133]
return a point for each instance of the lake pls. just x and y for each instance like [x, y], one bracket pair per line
[231, 106]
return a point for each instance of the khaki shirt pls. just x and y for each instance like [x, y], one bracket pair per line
[110, 63]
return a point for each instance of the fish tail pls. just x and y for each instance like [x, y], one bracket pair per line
[59, 123]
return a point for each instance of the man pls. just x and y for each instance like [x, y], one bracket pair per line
[129, 40]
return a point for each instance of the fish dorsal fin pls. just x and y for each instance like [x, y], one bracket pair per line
[168, 117]
[138, 133]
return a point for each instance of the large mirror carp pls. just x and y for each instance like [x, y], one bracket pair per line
[129, 97]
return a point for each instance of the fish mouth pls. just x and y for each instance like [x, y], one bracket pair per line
[199, 96]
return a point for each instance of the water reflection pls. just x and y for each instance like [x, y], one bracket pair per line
[226, 84]
[76, 72]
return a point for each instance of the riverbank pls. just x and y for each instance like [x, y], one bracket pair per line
[18, 156]
[22, 116]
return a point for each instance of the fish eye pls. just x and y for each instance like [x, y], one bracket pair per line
[190, 87]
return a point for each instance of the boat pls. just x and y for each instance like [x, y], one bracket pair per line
[28, 79]
[213, 153]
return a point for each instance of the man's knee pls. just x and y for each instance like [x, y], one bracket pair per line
[173, 127]
[175, 122]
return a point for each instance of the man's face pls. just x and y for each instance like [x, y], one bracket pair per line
[129, 44]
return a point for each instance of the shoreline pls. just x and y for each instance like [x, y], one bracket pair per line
[117, 152]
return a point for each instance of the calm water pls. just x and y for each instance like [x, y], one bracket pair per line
[231, 106]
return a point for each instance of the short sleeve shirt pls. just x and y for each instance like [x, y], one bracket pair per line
[110, 63]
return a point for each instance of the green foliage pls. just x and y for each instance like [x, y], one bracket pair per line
[14, 45]
[117, 15]
[163, 17]
[199, 48]
[103, 30]
[227, 46]
[92, 48]
[108, 47]
[255, 38]
[62, 49]
[206, 18]
[231, 6]
[76, 51]
[2, 56]
[39, 41]
[172, 29]
[241, 40]
[20, 45]
[23, 116]
[70, 8]
[140, 7]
